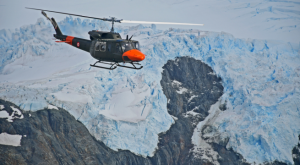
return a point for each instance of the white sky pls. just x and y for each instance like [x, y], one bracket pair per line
[256, 19]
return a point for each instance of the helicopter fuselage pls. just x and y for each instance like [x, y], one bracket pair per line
[106, 46]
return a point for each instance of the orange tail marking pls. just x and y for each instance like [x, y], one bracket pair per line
[69, 39]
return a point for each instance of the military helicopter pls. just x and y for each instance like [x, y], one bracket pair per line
[107, 47]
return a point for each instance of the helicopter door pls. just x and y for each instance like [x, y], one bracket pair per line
[118, 48]
[100, 49]
[109, 47]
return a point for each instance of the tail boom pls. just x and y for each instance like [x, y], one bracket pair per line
[79, 43]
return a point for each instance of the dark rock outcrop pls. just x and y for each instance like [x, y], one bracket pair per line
[189, 85]
[296, 153]
[56, 137]
[203, 88]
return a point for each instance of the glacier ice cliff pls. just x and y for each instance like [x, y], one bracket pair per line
[260, 78]
[54, 136]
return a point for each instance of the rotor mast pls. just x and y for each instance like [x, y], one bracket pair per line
[112, 20]
[112, 25]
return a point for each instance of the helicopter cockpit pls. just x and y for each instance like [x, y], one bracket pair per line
[129, 45]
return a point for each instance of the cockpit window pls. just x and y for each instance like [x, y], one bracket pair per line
[102, 46]
[136, 45]
[130, 45]
[126, 46]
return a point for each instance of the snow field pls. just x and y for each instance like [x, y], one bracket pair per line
[5, 138]
[11, 140]
[51, 107]
[9, 118]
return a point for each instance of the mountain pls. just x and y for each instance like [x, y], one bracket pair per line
[54, 136]
[252, 118]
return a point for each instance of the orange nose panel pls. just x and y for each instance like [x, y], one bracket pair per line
[134, 55]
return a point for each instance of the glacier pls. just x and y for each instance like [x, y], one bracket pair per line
[261, 80]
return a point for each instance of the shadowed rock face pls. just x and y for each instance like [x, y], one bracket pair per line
[189, 85]
[296, 153]
[202, 88]
[56, 137]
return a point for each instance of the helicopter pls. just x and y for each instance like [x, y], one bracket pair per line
[106, 47]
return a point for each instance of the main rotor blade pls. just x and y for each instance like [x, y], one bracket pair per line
[104, 19]
[121, 21]
[166, 23]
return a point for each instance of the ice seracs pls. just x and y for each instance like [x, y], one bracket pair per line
[127, 103]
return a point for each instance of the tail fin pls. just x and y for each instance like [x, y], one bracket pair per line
[57, 29]
[52, 20]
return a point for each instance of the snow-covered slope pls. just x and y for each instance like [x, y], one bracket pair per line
[261, 85]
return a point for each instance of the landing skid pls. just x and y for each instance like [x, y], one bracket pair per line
[134, 67]
[114, 65]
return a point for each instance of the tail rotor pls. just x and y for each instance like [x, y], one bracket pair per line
[53, 22]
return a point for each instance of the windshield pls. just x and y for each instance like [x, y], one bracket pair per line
[136, 45]
[126, 46]
[130, 45]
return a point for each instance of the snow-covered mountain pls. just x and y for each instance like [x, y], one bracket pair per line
[126, 109]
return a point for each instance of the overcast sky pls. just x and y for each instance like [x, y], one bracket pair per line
[256, 19]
